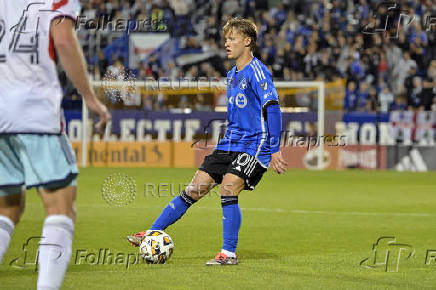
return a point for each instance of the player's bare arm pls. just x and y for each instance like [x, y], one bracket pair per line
[72, 60]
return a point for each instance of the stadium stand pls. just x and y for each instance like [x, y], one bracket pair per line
[298, 40]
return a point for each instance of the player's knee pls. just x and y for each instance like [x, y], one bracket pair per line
[198, 190]
[60, 208]
[227, 189]
[193, 191]
[231, 186]
[14, 213]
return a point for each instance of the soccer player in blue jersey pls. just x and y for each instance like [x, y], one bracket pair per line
[250, 145]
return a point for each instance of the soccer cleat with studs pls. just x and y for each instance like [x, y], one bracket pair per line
[136, 239]
[222, 259]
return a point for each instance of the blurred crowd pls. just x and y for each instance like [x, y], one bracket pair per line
[386, 55]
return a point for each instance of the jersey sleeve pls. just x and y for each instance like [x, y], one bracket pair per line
[65, 8]
[262, 84]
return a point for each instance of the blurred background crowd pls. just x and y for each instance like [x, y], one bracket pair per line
[386, 56]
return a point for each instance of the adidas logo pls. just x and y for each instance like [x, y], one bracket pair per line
[412, 162]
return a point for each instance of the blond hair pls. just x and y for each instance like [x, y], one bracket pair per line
[245, 26]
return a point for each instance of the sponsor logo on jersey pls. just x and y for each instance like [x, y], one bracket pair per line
[241, 100]
[243, 84]
[266, 95]
[264, 86]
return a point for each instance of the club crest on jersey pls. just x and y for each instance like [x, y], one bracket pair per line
[264, 86]
[243, 84]
[241, 100]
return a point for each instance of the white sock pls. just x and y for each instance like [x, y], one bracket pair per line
[54, 251]
[228, 253]
[6, 230]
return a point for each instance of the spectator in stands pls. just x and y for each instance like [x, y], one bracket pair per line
[171, 70]
[408, 81]
[212, 30]
[192, 72]
[399, 103]
[115, 72]
[403, 68]
[147, 102]
[231, 8]
[299, 40]
[362, 97]
[386, 98]
[350, 100]
[182, 22]
[372, 103]
[427, 93]
[414, 101]
[200, 104]
[102, 63]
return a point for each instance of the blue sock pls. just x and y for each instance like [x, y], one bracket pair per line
[175, 209]
[231, 222]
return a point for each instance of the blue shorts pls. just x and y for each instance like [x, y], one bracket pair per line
[35, 160]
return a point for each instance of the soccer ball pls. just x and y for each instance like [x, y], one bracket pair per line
[156, 247]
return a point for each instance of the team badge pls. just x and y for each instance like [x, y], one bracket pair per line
[241, 100]
[243, 84]
[264, 86]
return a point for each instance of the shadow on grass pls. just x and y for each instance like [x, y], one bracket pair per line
[257, 255]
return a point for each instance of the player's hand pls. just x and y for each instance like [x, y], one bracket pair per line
[278, 164]
[104, 117]
[100, 109]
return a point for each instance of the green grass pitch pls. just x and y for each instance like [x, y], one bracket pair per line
[301, 230]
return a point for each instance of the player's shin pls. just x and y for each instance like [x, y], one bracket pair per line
[6, 230]
[231, 224]
[54, 251]
[175, 209]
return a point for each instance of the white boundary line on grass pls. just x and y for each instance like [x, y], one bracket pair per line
[302, 211]
[279, 210]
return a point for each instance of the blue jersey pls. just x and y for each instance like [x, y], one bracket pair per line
[248, 93]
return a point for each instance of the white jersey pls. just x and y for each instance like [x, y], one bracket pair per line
[30, 93]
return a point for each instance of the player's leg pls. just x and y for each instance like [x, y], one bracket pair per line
[207, 176]
[57, 232]
[231, 186]
[12, 194]
[244, 172]
[12, 202]
[199, 186]
[50, 165]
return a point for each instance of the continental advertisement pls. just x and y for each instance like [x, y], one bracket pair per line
[137, 154]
